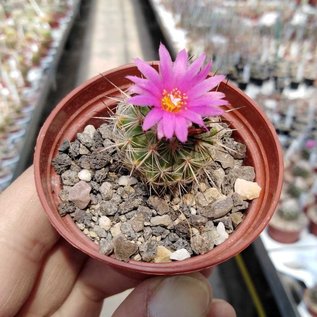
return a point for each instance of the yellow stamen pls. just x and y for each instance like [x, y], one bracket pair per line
[173, 101]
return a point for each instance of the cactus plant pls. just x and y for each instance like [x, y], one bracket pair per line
[179, 101]
[165, 163]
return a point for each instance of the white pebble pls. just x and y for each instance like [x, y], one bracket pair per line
[127, 181]
[84, 175]
[223, 234]
[116, 229]
[246, 189]
[90, 130]
[179, 255]
[193, 211]
[105, 222]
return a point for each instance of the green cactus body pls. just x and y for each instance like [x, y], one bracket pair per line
[164, 163]
[289, 214]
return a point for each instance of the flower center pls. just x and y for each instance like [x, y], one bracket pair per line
[173, 101]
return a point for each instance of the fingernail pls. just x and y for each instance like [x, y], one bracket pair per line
[180, 296]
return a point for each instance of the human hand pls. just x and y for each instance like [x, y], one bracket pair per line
[42, 275]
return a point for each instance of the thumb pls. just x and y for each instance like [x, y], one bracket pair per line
[177, 296]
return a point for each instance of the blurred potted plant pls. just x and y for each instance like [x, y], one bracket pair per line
[288, 222]
[310, 300]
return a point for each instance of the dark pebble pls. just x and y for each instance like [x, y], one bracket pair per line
[61, 163]
[160, 231]
[74, 149]
[64, 146]
[101, 175]
[99, 160]
[65, 208]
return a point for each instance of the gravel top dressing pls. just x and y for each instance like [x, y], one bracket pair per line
[130, 220]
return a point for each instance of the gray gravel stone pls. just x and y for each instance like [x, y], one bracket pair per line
[147, 233]
[108, 208]
[65, 208]
[64, 147]
[74, 149]
[106, 131]
[218, 176]
[148, 250]
[182, 228]
[127, 230]
[85, 139]
[123, 248]
[236, 218]
[137, 222]
[84, 162]
[99, 160]
[236, 149]
[182, 244]
[100, 232]
[225, 159]
[218, 209]
[164, 220]
[228, 184]
[159, 204]
[100, 175]
[106, 190]
[201, 244]
[197, 220]
[227, 221]
[105, 246]
[160, 231]
[79, 215]
[83, 150]
[201, 200]
[127, 206]
[61, 163]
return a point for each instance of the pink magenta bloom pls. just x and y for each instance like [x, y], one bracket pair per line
[179, 95]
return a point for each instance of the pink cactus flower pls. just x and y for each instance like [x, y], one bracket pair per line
[310, 144]
[179, 95]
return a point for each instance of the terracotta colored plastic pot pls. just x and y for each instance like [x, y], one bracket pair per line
[311, 306]
[283, 236]
[312, 220]
[92, 100]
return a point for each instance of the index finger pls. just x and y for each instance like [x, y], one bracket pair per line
[26, 236]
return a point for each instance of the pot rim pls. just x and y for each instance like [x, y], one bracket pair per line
[219, 254]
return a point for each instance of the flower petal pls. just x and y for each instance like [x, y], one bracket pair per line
[192, 116]
[181, 129]
[204, 72]
[160, 133]
[148, 71]
[152, 118]
[166, 66]
[205, 86]
[196, 65]
[145, 84]
[207, 111]
[207, 99]
[143, 100]
[180, 65]
[168, 124]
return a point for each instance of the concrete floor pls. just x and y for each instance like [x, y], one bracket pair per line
[118, 34]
